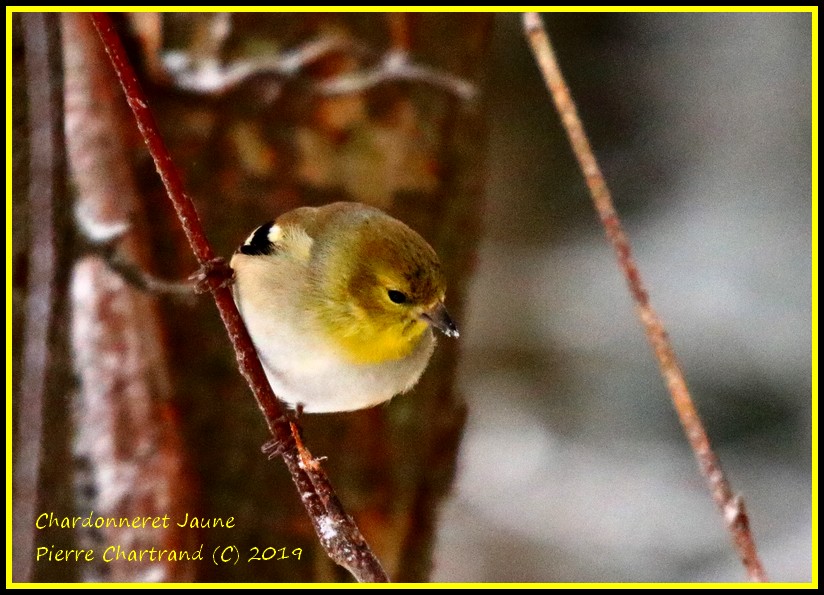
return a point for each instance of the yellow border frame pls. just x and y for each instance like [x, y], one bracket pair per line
[813, 10]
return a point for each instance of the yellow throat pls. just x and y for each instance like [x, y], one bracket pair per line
[365, 342]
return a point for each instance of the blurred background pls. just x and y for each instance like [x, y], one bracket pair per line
[573, 465]
[542, 445]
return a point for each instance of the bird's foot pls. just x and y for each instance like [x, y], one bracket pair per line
[212, 275]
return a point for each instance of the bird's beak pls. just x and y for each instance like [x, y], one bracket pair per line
[438, 317]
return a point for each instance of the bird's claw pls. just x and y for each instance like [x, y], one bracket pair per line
[274, 448]
[214, 274]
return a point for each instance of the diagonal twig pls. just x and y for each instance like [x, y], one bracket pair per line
[730, 504]
[336, 530]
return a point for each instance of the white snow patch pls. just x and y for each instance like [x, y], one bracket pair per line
[327, 528]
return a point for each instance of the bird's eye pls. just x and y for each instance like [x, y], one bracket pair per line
[397, 297]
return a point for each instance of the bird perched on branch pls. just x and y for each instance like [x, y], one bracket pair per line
[340, 302]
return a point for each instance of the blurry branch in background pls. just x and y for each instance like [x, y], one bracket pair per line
[105, 245]
[211, 77]
[396, 65]
[335, 529]
[208, 73]
[730, 505]
[45, 280]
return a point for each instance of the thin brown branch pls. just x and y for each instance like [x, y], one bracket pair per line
[46, 178]
[336, 530]
[730, 505]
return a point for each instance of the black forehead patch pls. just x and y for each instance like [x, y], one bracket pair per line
[258, 243]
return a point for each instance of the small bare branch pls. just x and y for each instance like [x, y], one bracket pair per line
[730, 505]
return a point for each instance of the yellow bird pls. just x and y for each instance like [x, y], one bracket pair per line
[340, 301]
